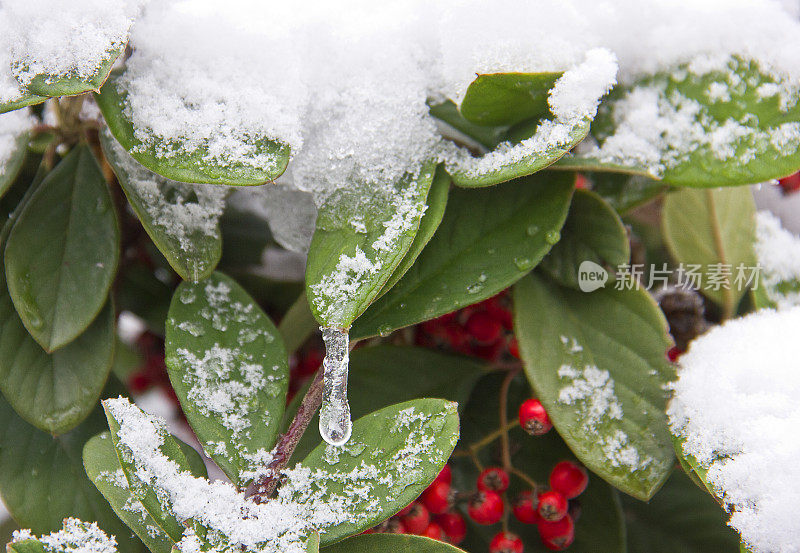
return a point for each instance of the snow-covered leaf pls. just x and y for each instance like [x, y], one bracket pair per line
[597, 362]
[14, 137]
[391, 457]
[457, 128]
[229, 368]
[62, 253]
[391, 543]
[714, 229]
[182, 219]
[554, 112]
[50, 85]
[75, 535]
[704, 126]
[778, 254]
[504, 99]
[488, 239]
[679, 518]
[593, 232]
[362, 236]
[42, 480]
[193, 163]
[625, 192]
[437, 202]
[383, 375]
[104, 470]
[600, 526]
[24, 100]
[153, 502]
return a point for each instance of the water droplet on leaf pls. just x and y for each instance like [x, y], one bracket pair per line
[523, 263]
[552, 236]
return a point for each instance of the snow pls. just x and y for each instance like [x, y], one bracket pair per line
[75, 537]
[737, 406]
[12, 126]
[778, 254]
[59, 38]
[308, 499]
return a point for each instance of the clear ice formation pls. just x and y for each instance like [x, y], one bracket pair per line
[335, 425]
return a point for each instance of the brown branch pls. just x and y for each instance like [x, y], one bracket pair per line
[266, 485]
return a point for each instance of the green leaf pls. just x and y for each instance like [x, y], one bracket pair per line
[362, 236]
[593, 232]
[679, 518]
[104, 470]
[737, 126]
[50, 85]
[587, 164]
[437, 201]
[714, 229]
[181, 219]
[383, 375]
[507, 98]
[14, 160]
[229, 368]
[488, 239]
[625, 192]
[169, 159]
[63, 251]
[75, 535]
[405, 445]
[24, 100]
[448, 113]
[157, 507]
[25, 546]
[391, 543]
[42, 479]
[600, 527]
[597, 362]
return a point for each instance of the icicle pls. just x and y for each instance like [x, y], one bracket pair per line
[334, 415]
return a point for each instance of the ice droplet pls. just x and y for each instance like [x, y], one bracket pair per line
[552, 237]
[335, 426]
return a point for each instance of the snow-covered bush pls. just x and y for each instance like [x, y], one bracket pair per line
[509, 207]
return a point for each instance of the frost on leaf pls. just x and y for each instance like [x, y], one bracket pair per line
[349, 487]
[778, 255]
[735, 408]
[74, 537]
[13, 140]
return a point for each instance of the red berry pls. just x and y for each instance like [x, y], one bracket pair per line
[404, 511]
[533, 417]
[445, 475]
[790, 184]
[454, 527]
[513, 348]
[395, 526]
[525, 508]
[486, 507]
[437, 497]
[673, 353]
[433, 531]
[505, 542]
[417, 519]
[139, 382]
[493, 479]
[581, 182]
[569, 479]
[558, 535]
[552, 506]
[310, 362]
[489, 352]
[484, 328]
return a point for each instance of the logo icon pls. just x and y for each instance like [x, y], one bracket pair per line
[591, 276]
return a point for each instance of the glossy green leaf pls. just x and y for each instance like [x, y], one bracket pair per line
[597, 362]
[383, 375]
[229, 368]
[157, 507]
[391, 543]
[24, 100]
[361, 238]
[62, 254]
[104, 470]
[507, 98]
[626, 192]
[431, 219]
[182, 219]
[587, 164]
[738, 125]
[488, 239]
[457, 128]
[42, 479]
[13, 161]
[392, 456]
[713, 230]
[600, 527]
[52, 85]
[679, 518]
[593, 232]
[194, 166]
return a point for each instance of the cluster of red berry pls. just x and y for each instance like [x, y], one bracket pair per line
[481, 330]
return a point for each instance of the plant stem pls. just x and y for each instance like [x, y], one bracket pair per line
[297, 324]
[504, 441]
[528, 480]
[491, 437]
[266, 485]
[729, 300]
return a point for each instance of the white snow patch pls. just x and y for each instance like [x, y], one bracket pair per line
[778, 254]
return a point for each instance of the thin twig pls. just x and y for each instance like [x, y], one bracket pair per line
[266, 485]
[528, 480]
[504, 441]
